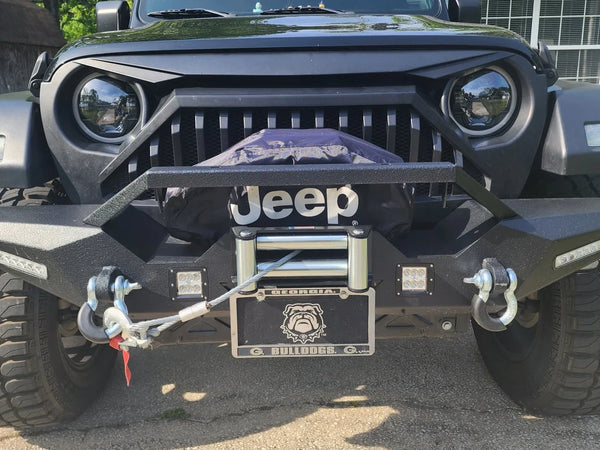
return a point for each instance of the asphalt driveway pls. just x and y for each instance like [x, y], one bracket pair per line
[412, 394]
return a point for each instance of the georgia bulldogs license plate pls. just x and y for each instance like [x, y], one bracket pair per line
[276, 323]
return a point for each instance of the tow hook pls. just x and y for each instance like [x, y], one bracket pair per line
[112, 285]
[492, 280]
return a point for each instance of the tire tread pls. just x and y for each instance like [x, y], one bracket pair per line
[21, 398]
[575, 384]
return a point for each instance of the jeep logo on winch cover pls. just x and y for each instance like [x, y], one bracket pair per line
[308, 202]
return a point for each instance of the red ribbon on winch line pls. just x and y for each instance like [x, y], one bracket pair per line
[114, 343]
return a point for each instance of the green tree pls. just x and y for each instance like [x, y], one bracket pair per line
[75, 17]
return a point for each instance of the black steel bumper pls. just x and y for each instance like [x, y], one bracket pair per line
[75, 242]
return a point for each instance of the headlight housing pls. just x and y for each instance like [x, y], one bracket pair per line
[483, 102]
[106, 109]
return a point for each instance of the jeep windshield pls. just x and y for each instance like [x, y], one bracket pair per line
[249, 7]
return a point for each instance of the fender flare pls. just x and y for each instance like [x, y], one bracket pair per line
[566, 150]
[25, 158]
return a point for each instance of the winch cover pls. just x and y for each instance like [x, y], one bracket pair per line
[205, 214]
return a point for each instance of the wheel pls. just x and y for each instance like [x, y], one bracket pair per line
[49, 373]
[548, 360]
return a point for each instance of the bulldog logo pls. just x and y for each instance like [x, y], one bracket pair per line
[303, 322]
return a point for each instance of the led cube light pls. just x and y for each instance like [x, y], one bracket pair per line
[414, 279]
[577, 254]
[190, 283]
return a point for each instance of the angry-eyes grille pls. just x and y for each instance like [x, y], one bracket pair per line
[194, 135]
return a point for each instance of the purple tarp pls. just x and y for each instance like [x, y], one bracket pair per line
[205, 214]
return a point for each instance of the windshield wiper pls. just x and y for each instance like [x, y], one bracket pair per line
[186, 13]
[300, 10]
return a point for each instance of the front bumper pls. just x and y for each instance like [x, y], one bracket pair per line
[75, 242]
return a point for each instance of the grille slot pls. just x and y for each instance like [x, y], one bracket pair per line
[199, 132]
[176, 140]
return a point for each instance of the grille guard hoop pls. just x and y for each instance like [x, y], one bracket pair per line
[299, 175]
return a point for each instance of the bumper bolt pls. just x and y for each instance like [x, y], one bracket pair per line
[447, 325]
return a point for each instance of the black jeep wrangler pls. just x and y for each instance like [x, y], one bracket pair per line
[298, 181]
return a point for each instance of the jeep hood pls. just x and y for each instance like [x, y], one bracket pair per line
[283, 32]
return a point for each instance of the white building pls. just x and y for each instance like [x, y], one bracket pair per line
[570, 28]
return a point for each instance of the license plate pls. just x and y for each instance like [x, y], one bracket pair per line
[291, 323]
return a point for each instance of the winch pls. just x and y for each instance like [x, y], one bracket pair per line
[352, 266]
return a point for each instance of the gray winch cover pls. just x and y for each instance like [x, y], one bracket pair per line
[205, 214]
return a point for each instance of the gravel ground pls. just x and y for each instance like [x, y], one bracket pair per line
[412, 394]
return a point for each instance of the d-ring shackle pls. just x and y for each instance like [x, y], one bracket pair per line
[101, 334]
[484, 281]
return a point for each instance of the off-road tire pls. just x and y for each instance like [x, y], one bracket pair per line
[39, 385]
[553, 367]
[51, 193]
[42, 382]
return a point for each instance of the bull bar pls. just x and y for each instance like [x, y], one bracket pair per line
[315, 174]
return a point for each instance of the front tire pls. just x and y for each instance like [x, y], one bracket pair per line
[49, 374]
[549, 362]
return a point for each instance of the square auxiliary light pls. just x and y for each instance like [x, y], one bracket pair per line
[190, 284]
[414, 279]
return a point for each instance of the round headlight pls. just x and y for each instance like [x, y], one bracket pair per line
[483, 102]
[107, 109]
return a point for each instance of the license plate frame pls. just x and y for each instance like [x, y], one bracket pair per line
[303, 322]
